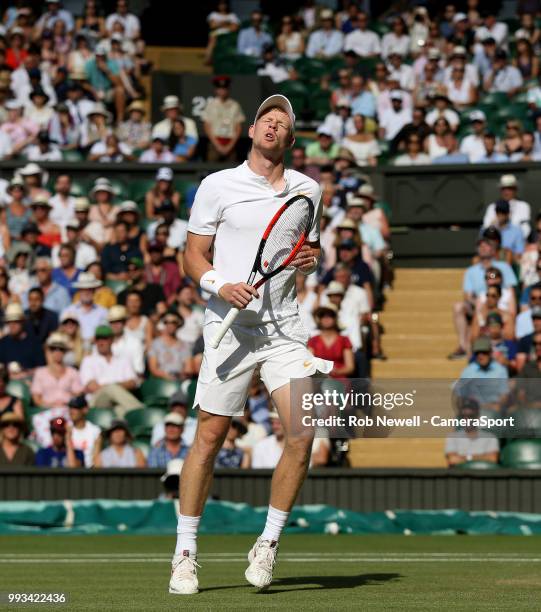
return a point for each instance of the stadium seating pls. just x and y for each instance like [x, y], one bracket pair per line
[102, 417]
[157, 391]
[20, 389]
[478, 465]
[529, 420]
[142, 420]
[116, 285]
[522, 454]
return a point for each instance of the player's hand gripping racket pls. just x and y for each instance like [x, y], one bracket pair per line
[286, 233]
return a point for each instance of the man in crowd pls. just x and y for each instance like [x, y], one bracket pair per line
[19, 345]
[252, 40]
[125, 346]
[520, 211]
[152, 294]
[85, 436]
[172, 446]
[56, 297]
[40, 321]
[222, 121]
[327, 41]
[61, 452]
[86, 311]
[109, 380]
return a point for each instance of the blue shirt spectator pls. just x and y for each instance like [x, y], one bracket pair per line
[512, 238]
[253, 39]
[474, 278]
[452, 158]
[53, 457]
[484, 379]
[61, 278]
[325, 43]
[98, 78]
[159, 456]
[182, 149]
[364, 104]
[57, 297]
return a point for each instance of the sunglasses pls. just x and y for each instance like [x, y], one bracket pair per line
[57, 348]
[537, 343]
[492, 295]
[171, 321]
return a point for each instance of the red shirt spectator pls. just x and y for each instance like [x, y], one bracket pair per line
[330, 345]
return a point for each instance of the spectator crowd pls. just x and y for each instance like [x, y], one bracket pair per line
[101, 330]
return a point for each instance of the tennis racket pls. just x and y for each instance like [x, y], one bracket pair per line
[285, 234]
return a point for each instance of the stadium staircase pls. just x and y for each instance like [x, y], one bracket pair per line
[418, 336]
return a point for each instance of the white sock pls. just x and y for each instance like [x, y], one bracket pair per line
[276, 521]
[187, 534]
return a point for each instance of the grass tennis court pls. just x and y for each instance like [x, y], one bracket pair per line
[313, 572]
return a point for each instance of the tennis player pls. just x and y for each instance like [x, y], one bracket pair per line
[232, 209]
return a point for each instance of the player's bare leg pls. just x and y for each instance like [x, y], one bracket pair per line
[195, 482]
[286, 483]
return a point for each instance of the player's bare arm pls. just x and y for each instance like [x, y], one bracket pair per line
[196, 264]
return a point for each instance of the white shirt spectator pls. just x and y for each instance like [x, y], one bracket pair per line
[354, 304]
[84, 439]
[129, 348]
[392, 42]
[178, 233]
[393, 122]
[499, 32]
[192, 328]
[365, 44]
[34, 153]
[163, 128]
[452, 117]
[521, 214]
[100, 148]
[85, 254]
[506, 79]
[339, 128]
[150, 157]
[188, 434]
[79, 110]
[131, 23]
[106, 372]
[6, 146]
[63, 209]
[48, 19]
[266, 453]
[88, 319]
[422, 159]
[471, 74]
[404, 75]
[461, 443]
[21, 86]
[383, 101]
[276, 72]
[473, 147]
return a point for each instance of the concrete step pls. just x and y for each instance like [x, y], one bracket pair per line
[417, 367]
[397, 453]
[431, 346]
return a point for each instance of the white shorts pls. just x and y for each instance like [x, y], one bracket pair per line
[279, 349]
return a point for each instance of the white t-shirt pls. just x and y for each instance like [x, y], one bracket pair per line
[521, 214]
[363, 43]
[236, 205]
[106, 372]
[130, 22]
[393, 122]
[266, 453]
[85, 439]
[473, 147]
[85, 254]
[178, 232]
[62, 211]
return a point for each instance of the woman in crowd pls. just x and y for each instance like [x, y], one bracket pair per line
[512, 140]
[53, 386]
[103, 210]
[5, 293]
[526, 60]
[16, 214]
[82, 52]
[289, 42]
[460, 90]
[8, 403]
[396, 40]
[490, 306]
[70, 327]
[181, 144]
[13, 451]
[91, 23]
[120, 452]
[138, 325]
[362, 144]
[62, 41]
[434, 144]
[329, 344]
[167, 355]
[49, 232]
[220, 21]
[162, 190]
[63, 130]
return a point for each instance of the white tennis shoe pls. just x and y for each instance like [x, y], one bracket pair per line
[184, 575]
[262, 558]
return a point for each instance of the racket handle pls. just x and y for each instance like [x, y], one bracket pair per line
[225, 325]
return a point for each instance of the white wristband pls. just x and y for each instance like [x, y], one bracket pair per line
[212, 282]
[313, 268]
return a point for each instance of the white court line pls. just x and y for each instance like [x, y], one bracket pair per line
[317, 555]
[284, 558]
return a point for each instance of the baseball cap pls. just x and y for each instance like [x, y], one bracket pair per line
[335, 288]
[396, 95]
[30, 228]
[482, 345]
[101, 49]
[58, 424]
[155, 246]
[494, 318]
[323, 130]
[174, 418]
[502, 206]
[460, 17]
[459, 50]
[179, 397]
[326, 14]
[128, 206]
[103, 331]
[137, 262]
[478, 115]
[279, 101]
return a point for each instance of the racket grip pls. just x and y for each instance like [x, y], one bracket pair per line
[225, 325]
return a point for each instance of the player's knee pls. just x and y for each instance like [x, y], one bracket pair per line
[299, 448]
[207, 443]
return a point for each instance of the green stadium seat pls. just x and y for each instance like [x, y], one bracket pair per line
[102, 417]
[380, 27]
[79, 188]
[226, 44]
[522, 454]
[121, 190]
[529, 420]
[478, 465]
[297, 94]
[30, 412]
[157, 391]
[21, 390]
[116, 285]
[497, 99]
[142, 420]
[72, 156]
[320, 104]
[139, 188]
[310, 69]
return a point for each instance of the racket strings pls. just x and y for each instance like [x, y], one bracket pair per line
[285, 234]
